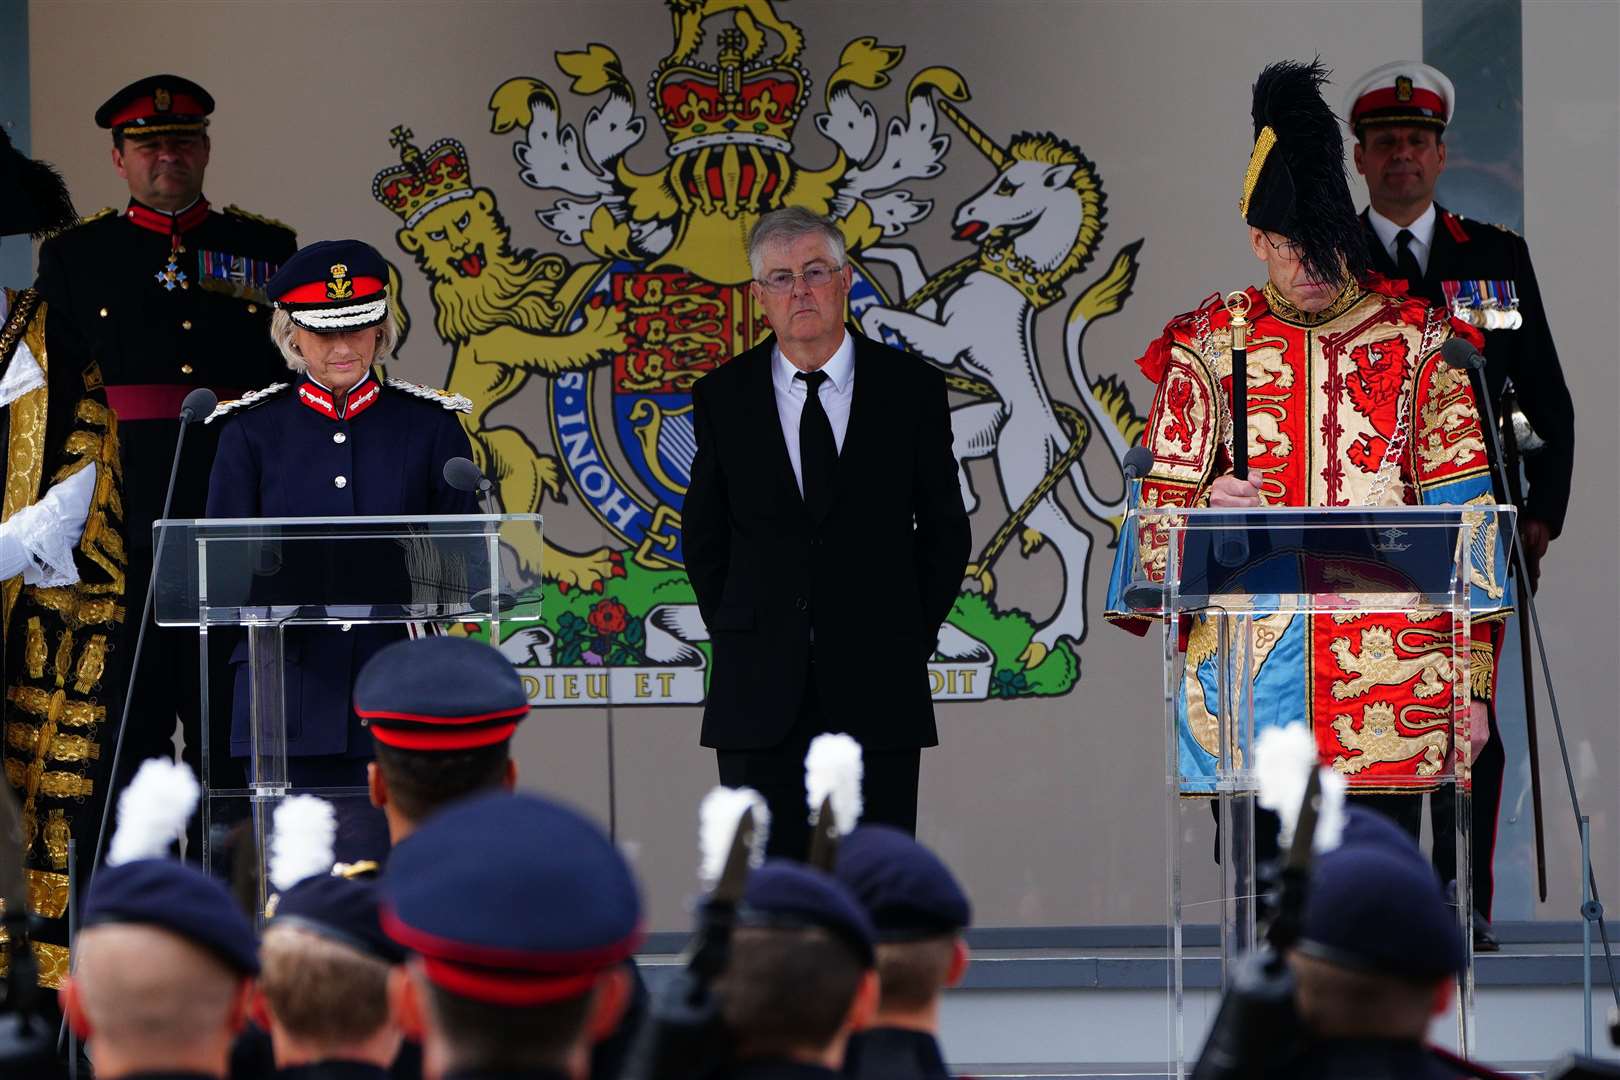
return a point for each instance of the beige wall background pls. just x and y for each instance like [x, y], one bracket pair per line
[1051, 808]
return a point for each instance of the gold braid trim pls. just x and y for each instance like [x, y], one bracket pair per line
[52, 961]
[26, 445]
[1257, 160]
[1481, 670]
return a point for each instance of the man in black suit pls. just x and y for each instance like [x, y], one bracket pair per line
[825, 537]
[1398, 113]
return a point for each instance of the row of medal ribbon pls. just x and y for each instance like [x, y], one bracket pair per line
[1489, 305]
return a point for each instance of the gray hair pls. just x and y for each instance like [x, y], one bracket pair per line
[785, 226]
[284, 333]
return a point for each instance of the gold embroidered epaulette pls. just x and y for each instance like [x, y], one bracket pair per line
[97, 216]
[246, 401]
[443, 398]
[260, 218]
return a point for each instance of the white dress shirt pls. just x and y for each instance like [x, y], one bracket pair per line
[1422, 235]
[836, 395]
[38, 540]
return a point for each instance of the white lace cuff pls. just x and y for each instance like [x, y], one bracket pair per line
[49, 530]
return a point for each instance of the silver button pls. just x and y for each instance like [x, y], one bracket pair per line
[341, 482]
[340, 438]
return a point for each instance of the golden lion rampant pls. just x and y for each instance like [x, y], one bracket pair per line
[1379, 740]
[1378, 665]
[503, 312]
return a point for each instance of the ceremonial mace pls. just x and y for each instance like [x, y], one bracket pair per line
[1232, 549]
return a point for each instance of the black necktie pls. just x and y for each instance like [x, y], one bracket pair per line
[818, 452]
[1406, 263]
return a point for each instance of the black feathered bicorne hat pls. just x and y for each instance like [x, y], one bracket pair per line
[33, 196]
[1295, 184]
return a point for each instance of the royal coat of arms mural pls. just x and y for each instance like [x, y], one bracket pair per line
[642, 288]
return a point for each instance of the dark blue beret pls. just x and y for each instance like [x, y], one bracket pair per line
[788, 895]
[170, 895]
[1373, 907]
[345, 910]
[905, 888]
[512, 900]
[440, 693]
[332, 286]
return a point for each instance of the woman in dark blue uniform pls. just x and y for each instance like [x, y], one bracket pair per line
[335, 441]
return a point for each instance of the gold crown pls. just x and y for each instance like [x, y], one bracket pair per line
[422, 181]
[1378, 710]
[725, 103]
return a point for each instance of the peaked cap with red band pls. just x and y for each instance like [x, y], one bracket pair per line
[440, 694]
[332, 286]
[512, 900]
[157, 105]
[1406, 93]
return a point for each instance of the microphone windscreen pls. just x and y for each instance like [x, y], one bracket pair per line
[1459, 353]
[1138, 462]
[461, 474]
[200, 402]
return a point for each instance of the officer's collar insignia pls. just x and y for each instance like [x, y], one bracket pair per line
[166, 224]
[161, 100]
[338, 285]
[362, 396]
[1403, 88]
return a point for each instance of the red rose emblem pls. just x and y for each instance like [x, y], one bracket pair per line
[608, 617]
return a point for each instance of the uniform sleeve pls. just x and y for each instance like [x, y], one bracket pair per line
[706, 511]
[943, 540]
[233, 485]
[1544, 396]
[451, 441]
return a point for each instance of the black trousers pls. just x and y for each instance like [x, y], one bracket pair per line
[888, 787]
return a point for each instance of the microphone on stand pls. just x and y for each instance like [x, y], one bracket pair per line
[1141, 594]
[461, 474]
[200, 402]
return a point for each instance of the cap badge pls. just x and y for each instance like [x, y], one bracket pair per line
[161, 99]
[1403, 88]
[340, 287]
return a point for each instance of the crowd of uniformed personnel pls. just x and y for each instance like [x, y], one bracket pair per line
[499, 937]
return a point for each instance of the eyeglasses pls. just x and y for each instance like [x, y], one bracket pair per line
[1287, 249]
[815, 276]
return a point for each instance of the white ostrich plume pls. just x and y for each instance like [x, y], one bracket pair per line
[301, 846]
[718, 818]
[153, 811]
[833, 767]
[1283, 760]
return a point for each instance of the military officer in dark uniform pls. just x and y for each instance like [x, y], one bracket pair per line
[334, 441]
[919, 911]
[1398, 113]
[521, 914]
[166, 295]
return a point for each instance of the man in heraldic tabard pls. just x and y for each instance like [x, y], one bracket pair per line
[1349, 404]
[61, 571]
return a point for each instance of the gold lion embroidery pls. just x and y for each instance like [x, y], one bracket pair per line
[1378, 665]
[1379, 741]
[1448, 423]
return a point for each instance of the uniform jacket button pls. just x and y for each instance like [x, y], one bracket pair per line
[253, 309]
[185, 369]
[340, 438]
[341, 481]
[103, 313]
[802, 604]
[186, 324]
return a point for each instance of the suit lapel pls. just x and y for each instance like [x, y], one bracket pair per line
[1444, 254]
[1381, 261]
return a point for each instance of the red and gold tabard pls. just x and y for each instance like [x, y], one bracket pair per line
[1353, 407]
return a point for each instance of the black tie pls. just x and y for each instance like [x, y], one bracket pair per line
[1406, 263]
[818, 451]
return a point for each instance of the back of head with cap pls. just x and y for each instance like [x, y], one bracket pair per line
[918, 910]
[162, 962]
[521, 913]
[800, 976]
[1379, 944]
[442, 711]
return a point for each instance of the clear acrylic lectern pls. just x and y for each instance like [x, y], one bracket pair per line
[259, 576]
[1244, 589]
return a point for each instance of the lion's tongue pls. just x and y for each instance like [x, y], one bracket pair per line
[472, 265]
[969, 230]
